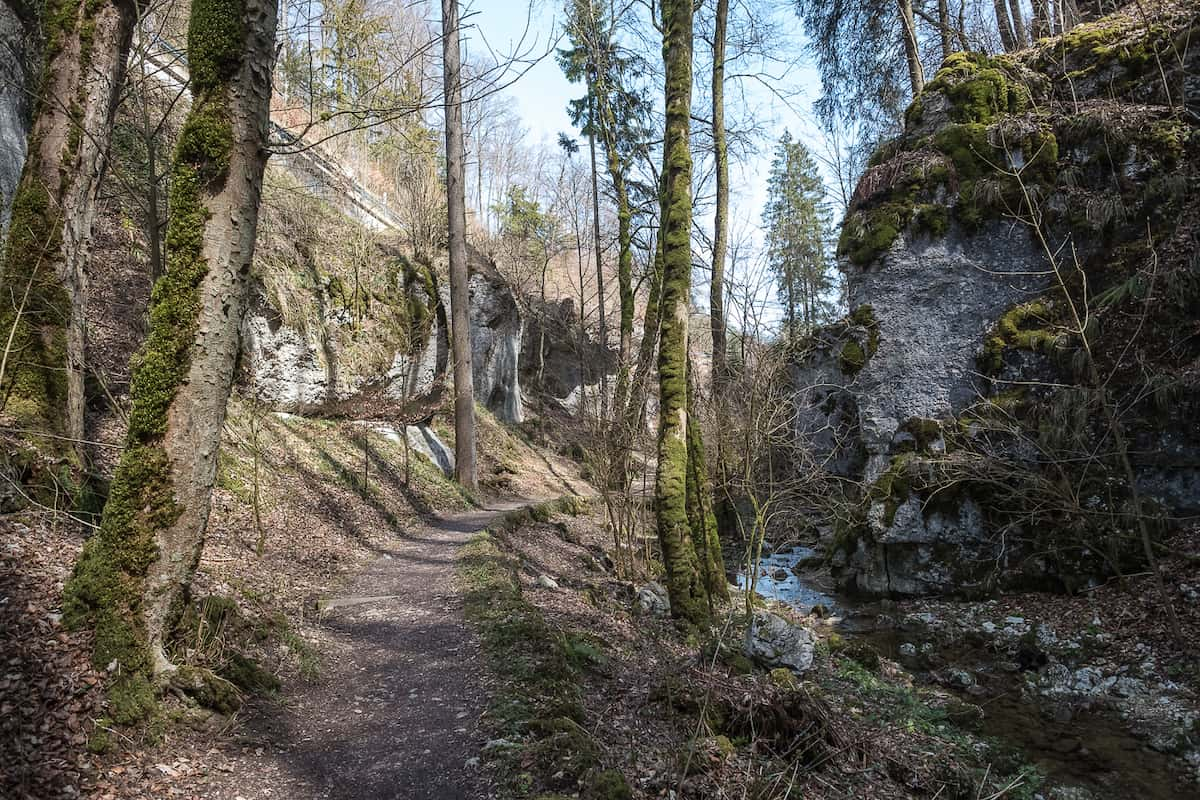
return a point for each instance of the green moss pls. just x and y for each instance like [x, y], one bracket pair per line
[894, 486]
[932, 219]
[864, 316]
[207, 689]
[869, 233]
[1024, 327]
[783, 678]
[101, 740]
[852, 358]
[979, 87]
[607, 784]
[924, 432]
[216, 39]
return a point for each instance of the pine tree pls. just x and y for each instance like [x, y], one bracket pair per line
[796, 222]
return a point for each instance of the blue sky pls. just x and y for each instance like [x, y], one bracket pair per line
[542, 93]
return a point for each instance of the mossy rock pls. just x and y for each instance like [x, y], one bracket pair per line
[605, 784]
[247, 674]
[852, 358]
[207, 688]
[980, 87]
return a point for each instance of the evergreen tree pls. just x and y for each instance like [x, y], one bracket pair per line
[796, 221]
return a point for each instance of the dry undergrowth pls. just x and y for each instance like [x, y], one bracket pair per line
[686, 715]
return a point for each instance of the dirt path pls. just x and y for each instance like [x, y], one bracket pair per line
[395, 712]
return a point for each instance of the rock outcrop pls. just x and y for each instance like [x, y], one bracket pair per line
[329, 340]
[1029, 194]
[497, 326]
[17, 70]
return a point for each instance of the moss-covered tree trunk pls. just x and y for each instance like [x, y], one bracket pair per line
[701, 516]
[685, 584]
[43, 286]
[133, 575]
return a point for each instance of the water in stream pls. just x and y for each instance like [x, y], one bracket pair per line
[1089, 750]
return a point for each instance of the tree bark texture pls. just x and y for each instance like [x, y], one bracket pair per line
[716, 294]
[132, 578]
[1020, 33]
[945, 29]
[912, 55]
[597, 248]
[464, 393]
[43, 274]
[616, 173]
[1042, 26]
[1004, 25]
[685, 585]
[701, 515]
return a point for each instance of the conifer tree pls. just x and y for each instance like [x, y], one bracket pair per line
[796, 222]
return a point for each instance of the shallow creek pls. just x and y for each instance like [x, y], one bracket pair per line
[1082, 750]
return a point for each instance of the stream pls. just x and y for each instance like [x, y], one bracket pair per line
[1084, 754]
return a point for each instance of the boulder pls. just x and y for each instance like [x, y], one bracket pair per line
[774, 642]
[652, 600]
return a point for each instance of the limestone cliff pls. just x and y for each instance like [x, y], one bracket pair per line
[339, 309]
[1037, 217]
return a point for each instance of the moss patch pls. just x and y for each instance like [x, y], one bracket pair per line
[539, 702]
[1028, 326]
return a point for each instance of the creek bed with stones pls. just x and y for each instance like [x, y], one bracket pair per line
[1097, 730]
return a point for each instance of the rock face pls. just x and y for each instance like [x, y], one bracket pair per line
[17, 69]
[496, 329]
[957, 392]
[302, 368]
[555, 359]
[331, 355]
[772, 641]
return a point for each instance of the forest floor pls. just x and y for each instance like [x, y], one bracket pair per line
[326, 592]
[396, 713]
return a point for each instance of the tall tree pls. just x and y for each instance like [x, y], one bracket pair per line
[133, 575]
[945, 28]
[611, 110]
[863, 51]
[456, 203]
[1042, 24]
[716, 293]
[43, 274]
[1004, 25]
[796, 222]
[912, 49]
[685, 584]
[1020, 34]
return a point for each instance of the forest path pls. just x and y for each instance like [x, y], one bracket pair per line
[395, 712]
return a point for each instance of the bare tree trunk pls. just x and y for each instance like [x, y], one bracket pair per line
[133, 576]
[464, 394]
[1004, 25]
[50, 233]
[916, 73]
[1020, 34]
[1042, 26]
[599, 252]
[716, 294]
[685, 584]
[945, 29]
